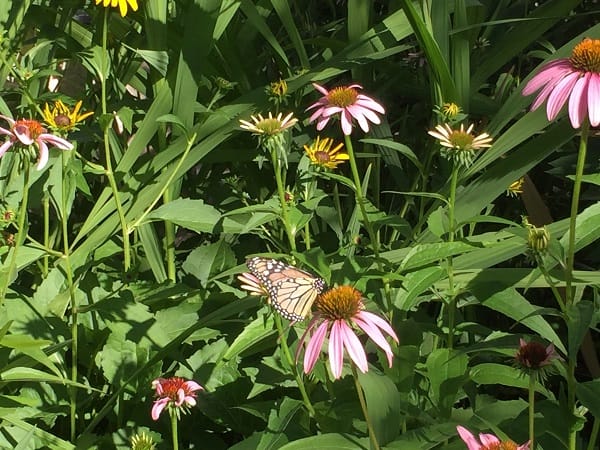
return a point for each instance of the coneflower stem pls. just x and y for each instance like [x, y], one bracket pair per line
[284, 206]
[174, 435]
[46, 207]
[363, 405]
[531, 411]
[449, 261]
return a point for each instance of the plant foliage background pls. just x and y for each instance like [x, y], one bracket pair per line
[83, 331]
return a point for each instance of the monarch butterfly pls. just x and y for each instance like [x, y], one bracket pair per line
[291, 291]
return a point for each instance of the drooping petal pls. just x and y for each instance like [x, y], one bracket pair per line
[346, 120]
[369, 103]
[468, 438]
[578, 105]
[336, 350]
[313, 348]
[593, 99]
[22, 133]
[56, 141]
[357, 113]
[551, 73]
[158, 407]
[379, 322]
[560, 94]
[374, 333]
[354, 347]
[42, 154]
[4, 147]
[320, 88]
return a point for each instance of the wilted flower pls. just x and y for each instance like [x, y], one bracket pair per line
[533, 355]
[576, 78]
[142, 441]
[487, 441]
[516, 187]
[28, 132]
[321, 153]
[338, 312]
[346, 101]
[122, 4]
[62, 118]
[460, 144]
[175, 393]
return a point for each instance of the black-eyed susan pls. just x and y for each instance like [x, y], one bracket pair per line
[62, 118]
[123, 5]
[322, 153]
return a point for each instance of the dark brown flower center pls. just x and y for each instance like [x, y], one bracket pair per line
[532, 355]
[586, 56]
[340, 303]
[61, 120]
[342, 96]
[322, 157]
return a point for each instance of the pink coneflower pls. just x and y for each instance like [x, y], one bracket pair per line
[28, 132]
[339, 311]
[534, 356]
[349, 103]
[175, 393]
[487, 441]
[576, 78]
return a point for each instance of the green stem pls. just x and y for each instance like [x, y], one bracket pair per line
[292, 363]
[169, 241]
[73, 300]
[174, 434]
[109, 170]
[531, 411]
[20, 229]
[284, 207]
[363, 405]
[571, 386]
[449, 261]
[574, 208]
[594, 434]
[46, 207]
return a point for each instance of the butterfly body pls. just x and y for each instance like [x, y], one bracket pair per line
[291, 291]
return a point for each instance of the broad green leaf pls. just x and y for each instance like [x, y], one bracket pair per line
[192, 214]
[424, 254]
[414, 284]
[329, 441]
[208, 260]
[505, 375]
[383, 404]
[588, 394]
[257, 331]
[579, 319]
[447, 372]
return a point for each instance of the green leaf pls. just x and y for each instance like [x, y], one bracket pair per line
[257, 331]
[446, 370]
[490, 373]
[579, 319]
[588, 394]
[329, 441]
[208, 260]
[414, 284]
[383, 404]
[424, 254]
[194, 215]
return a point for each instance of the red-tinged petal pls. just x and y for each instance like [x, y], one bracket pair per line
[158, 407]
[190, 401]
[313, 348]
[559, 95]
[314, 105]
[180, 397]
[525, 446]
[336, 350]
[42, 155]
[551, 73]
[4, 147]
[488, 439]
[593, 99]
[578, 105]
[468, 438]
[56, 141]
[354, 347]
[346, 120]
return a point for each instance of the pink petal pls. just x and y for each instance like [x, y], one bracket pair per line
[525, 446]
[488, 439]
[468, 438]
[377, 337]
[355, 86]
[22, 134]
[192, 386]
[379, 322]
[360, 118]
[316, 115]
[10, 121]
[56, 141]
[368, 102]
[190, 401]
[180, 397]
[578, 105]
[313, 349]
[346, 120]
[336, 350]
[593, 99]
[370, 115]
[354, 347]
[42, 154]
[559, 95]
[542, 96]
[5, 131]
[332, 110]
[321, 123]
[158, 407]
[5, 146]
[548, 74]
[320, 88]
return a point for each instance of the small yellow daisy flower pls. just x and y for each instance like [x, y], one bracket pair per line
[516, 187]
[321, 154]
[61, 118]
[122, 4]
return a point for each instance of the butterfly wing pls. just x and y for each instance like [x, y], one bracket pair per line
[291, 291]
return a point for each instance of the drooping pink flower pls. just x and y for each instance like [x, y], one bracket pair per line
[338, 312]
[346, 101]
[175, 392]
[28, 132]
[576, 78]
[487, 441]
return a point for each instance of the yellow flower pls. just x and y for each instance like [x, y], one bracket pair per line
[321, 153]
[122, 4]
[516, 187]
[451, 110]
[61, 118]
